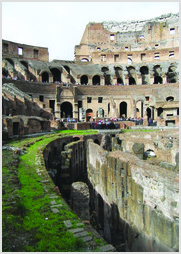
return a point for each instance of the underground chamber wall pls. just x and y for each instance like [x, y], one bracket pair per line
[105, 216]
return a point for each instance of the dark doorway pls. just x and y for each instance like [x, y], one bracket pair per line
[52, 105]
[96, 80]
[132, 81]
[45, 77]
[16, 128]
[123, 109]
[119, 81]
[66, 110]
[56, 75]
[158, 80]
[84, 80]
[148, 111]
[159, 111]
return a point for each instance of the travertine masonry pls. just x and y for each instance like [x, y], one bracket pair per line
[144, 200]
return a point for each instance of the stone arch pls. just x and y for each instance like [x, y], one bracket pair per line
[89, 114]
[84, 60]
[107, 76]
[159, 111]
[119, 74]
[123, 109]
[56, 74]
[84, 79]
[144, 74]
[9, 60]
[45, 76]
[104, 68]
[67, 68]
[149, 153]
[170, 98]
[24, 63]
[96, 80]
[158, 80]
[100, 112]
[132, 75]
[148, 113]
[132, 81]
[172, 74]
[157, 74]
[66, 110]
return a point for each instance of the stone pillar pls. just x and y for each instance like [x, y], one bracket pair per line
[75, 111]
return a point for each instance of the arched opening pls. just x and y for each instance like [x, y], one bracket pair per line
[84, 60]
[25, 64]
[159, 111]
[144, 73]
[96, 80]
[89, 114]
[172, 74]
[139, 109]
[149, 154]
[104, 69]
[5, 72]
[170, 98]
[66, 110]
[158, 80]
[120, 81]
[144, 70]
[100, 112]
[123, 109]
[132, 81]
[84, 80]
[67, 68]
[10, 61]
[56, 75]
[148, 112]
[45, 77]
[107, 77]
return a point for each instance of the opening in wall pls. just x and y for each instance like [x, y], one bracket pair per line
[171, 54]
[20, 51]
[41, 98]
[112, 37]
[5, 47]
[172, 31]
[35, 53]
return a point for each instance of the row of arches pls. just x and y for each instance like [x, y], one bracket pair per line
[67, 111]
[23, 71]
[132, 74]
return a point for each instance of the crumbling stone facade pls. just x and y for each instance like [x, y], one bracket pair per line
[137, 78]
[135, 203]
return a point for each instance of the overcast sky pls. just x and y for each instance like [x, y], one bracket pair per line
[59, 26]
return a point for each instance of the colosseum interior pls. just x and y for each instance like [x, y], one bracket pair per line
[126, 73]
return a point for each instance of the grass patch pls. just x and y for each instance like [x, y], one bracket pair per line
[28, 223]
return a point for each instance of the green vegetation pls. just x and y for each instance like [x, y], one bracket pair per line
[28, 223]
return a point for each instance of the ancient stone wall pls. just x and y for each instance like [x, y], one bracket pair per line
[23, 51]
[139, 41]
[136, 204]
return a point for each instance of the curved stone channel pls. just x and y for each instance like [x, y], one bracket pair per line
[116, 183]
